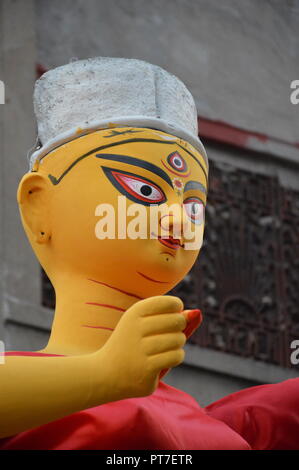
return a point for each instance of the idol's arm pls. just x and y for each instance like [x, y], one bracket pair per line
[266, 416]
[37, 390]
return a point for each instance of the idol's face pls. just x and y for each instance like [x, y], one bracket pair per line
[110, 214]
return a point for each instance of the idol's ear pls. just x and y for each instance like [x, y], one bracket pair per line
[33, 196]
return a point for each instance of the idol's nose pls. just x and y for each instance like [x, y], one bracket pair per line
[174, 223]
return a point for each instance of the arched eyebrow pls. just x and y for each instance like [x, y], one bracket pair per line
[56, 180]
[137, 162]
[195, 185]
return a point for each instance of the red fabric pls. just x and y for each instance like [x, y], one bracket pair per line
[266, 416]
[168, 419]
[262, 417]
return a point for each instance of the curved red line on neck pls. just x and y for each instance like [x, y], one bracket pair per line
[106, 305]
[116, 288]
[100, 327]
[153, 280]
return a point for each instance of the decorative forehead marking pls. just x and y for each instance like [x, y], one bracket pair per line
[115, 132]
[176, 161]
[178, 185]
[116, 138]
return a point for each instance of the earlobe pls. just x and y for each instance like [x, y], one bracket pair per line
[42, 237]
[34, 198]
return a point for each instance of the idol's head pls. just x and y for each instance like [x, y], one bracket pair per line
[124, 206]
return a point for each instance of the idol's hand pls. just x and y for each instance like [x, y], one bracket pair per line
[148, 338]
[194, 319]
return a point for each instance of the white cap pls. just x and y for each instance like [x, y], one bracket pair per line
[87, 95]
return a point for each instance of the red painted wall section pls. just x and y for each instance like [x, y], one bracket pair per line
[225, 133]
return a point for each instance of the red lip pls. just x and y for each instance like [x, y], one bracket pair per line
[171, 242]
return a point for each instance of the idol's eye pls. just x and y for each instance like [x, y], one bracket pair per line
[134, 187]
[195, 210]
[177, 162]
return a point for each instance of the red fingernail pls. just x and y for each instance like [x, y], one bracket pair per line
[194, 314]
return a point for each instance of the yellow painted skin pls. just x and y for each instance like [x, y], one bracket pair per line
[112, 321]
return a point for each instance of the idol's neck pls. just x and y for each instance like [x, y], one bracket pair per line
[87, 311]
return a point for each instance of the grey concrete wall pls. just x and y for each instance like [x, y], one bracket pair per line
[2, 281]
[209, 375]
[20, 275]
[238, 57]
[204, 385]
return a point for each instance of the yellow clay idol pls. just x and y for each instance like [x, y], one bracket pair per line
[113, 206]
